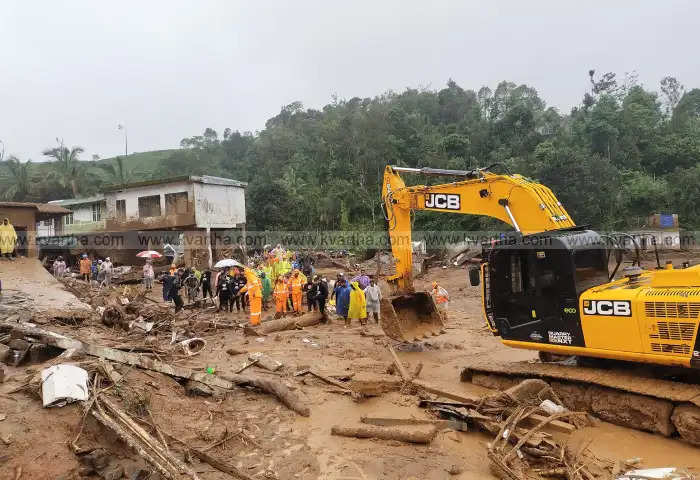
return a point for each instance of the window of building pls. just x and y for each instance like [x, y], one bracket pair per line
[97, 209]
[149, 206]
[121, 209]
[68, 219]
[175, 203]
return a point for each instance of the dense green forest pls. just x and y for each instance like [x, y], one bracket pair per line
[624, 152]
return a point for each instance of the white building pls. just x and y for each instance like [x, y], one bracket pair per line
[87, 215]
[174, 203]
[188, 201]
[189, 207]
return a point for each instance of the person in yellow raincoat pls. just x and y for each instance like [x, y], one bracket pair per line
[254, 289]
[8, 238]
[281, 294]
[358, 305]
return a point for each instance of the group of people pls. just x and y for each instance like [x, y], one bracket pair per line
[357, 298]
[97, 271]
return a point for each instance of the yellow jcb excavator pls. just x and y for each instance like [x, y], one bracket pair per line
[546, 286]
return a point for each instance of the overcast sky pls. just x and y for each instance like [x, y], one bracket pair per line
[168, 69]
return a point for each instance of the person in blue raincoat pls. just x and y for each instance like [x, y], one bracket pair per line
[342, 299]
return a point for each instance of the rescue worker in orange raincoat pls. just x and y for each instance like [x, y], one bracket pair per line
[442, 299]
[254, 289]
[281, 295]
[297, 284]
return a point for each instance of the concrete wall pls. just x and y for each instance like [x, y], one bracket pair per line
[219, 206]
[134, 222]
[131, 196]
[82, 220]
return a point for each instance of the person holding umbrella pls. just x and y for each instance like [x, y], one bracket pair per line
[148, 275]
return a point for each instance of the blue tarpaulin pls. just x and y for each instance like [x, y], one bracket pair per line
[666, 221]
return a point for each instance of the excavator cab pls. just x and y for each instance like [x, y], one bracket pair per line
[532, 283]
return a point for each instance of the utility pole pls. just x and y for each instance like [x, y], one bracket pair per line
[126, 139]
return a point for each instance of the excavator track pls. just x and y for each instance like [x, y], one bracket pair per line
[638, 401]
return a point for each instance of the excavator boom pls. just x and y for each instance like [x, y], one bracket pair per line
[527, 206]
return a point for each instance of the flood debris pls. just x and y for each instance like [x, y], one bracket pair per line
[668, 473]
[63, 384]
[273, 387]
[520, 418]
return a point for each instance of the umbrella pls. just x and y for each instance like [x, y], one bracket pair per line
[228, 262]
[149, 254]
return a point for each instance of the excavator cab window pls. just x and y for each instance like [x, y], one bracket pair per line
[591, 269]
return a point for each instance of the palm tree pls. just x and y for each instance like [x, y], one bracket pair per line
[20, 179]
[117, 172]
[67, 167]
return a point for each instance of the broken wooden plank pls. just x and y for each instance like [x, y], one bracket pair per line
[430, 388]
[246, 365]
[214, 462]
[330, 381]
[264, 361]
[425, 435]
[146, 438]
[397, 363]
[557, 425]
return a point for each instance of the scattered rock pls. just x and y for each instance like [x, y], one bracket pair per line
[235, 351]
[455, 470]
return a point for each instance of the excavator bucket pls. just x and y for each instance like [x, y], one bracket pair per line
[411, 317]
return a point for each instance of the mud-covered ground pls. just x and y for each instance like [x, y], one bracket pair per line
[277, 443]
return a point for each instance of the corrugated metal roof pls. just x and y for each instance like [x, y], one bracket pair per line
[40, 207]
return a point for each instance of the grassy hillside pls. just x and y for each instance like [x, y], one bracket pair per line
[143, 163]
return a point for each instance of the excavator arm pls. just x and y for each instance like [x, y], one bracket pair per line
[527, 206]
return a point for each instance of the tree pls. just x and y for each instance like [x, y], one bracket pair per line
[117, 172]
[20, 183]
[67, 167]
[673, 91]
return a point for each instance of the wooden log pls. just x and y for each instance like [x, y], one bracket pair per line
[392, 422]
[386, 433]
[273, 387]
[290, 323]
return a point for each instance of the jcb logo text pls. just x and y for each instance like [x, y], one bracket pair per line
[443, 201]
[611, 308]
